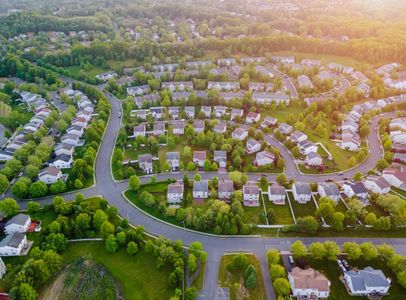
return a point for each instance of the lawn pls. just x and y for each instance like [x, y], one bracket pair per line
[341, 207]
[252, 214]
[91, 73]
[235, 282]
[198, 283]
[137, 275]
[302, 210]
[283, 216]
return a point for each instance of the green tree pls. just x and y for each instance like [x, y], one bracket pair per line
[132, 248]
[332, 250]
[99, 218]
[38, 189]
[281, 286]
[134, 183]
[111, 244]
[357, 176]
[277, 271]
[337, 222]
[353, 250]
[4, 183]
[33, 207]
[24, 291]
[9, 207]
[369, 251]
[317, 250]
[192, 263]
[273, 256]
[58, 187]
[106, 229]
[298, 249]
[20, 189]
[78, 183]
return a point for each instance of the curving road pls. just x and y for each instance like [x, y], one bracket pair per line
[216, 246]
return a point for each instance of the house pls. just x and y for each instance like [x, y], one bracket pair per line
[191, 65]
[157, 112]
[173, 159]
[174, 112]
[140, 113]
[398, 148]
[198, 126]
[70, 139]
[351, 142]
[399, 158]
[82, 122]
[223, 86]
[236, 112]
[264, 158]
[199, 157]
[64, 149]
[190, 111]
[252, 146]
[200, 189]
[366, 282]
[149, 99]
[50, 175]
[250, 194]
[283, 59]
[220, 128]
[264, 71]
[398, 137]
[76, 130]
[84, 115]
[301, 192]
[206, 111]
[165, 67]
[377, 184]
[175, 193]
[220, 111]
[399, 123]
[252, 60]
[239, 133]
[140, 130]
[178, 127]
[177, 86]
[226, 62]
[356, 189]
[329, 190]
[225, 189]
[145, 163]
[285, 129]
[220, 157]
[277, 194]
[13, 244]
[261, 86]
[305, 82]
[306, 147]
[158, 128]
[298, 136]
[269, 122]
[252, 117]
[309, 284]
[106, 76]
[19, 223]
[62, 161]
[229, 96]
[313, 159]
[268, 98]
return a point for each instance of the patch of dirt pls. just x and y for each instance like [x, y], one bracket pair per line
[52, 291]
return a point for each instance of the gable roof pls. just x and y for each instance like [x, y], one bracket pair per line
[310, 279]
[19, 219]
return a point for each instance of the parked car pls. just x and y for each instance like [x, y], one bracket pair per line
[291, 259]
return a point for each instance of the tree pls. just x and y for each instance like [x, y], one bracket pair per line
[282, 286]
[357, 176]
[134, 183]
[276, 271]
[23, 292]
[281, 179]
[298, 249]
[325, 210]
[122, 238]
[9, 207]
[33, 207]
[4, 183]
[99, 217]
[401, 276]
[192, 263]
[317, 250]
[56, 242]
[58, 187]
[106, 229]
[191, 293]
[337, 222]
[273, 256]
[196, 248]
[369, 251]
[132, 248]
[111, 244]
[353, 250]
[38, 189]
[332, 250]
[370, 219]
[78, 183]
[307, 224]
[20, 189]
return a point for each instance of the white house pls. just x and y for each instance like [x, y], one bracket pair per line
[145, 163]
[175, 193]
[76, 130]
[301, 192]
[264, 158]
[252, 146]
[18, 224]
[220, 157]
[62, 161]
[173, 160]
[306, 147]
[285, 129]
[140, 130]
[329, 190]
[298, 136]
[13, 244]
[252, 117]
[239, 134]
[178, 127]
[367, 282]
[200, 189]
[309, 284]
[199, 157]
[250, 194]
[50, 175]
[158, 128]
[225, 189]
[198, 126]
[64, 149]
[395, 175]
[313, 159]
[70, 139]
[377, 184]
[355, 189]
[277, 194]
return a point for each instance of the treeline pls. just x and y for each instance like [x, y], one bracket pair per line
[24, 22]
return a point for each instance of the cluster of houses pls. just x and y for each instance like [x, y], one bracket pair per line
[386, 71]
[15, 242]
[63, 151]
[19, 139]
[397, 134]
[350, 139]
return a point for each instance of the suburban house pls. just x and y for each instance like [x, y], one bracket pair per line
[175, 193]
[158, 128]
[356, 189]
[226, 62]
[173, 160]
[19, 223]
[239, 133]
[198, 126]
[178, 127]
[309, 284]
[197, 64]
[220, 157]
[261, 86]
[366, 282]
[306, 147]
[329, 190]
[283, 59]
[225, 189]
[140, 113]
[106, 76]
[62, 161]
[138, 90]
[190, 111]
[145, 163]
[298, 136]
[236, 112]
[13, 244]
[264, 158]
[206, 110]
[64, 149]
[351, 143]
[268, 98]
[223, 86]
[199, 157]
[269, 122]
[140, 130]
[200, 189]
[252, 60]
[395, 175]
[220, 127]
[311, 62]
[50, 175]
[177, 86]
[252, 146]
[285, 129]
[277, 194]
[252, 117]
[313, 159]
[174, 112]
[301, 192]
[398, 137]
[157, 112]
[399, 158]
[70, 139]
[305, 82]
[220, 111]
[377, 184]
[82, 122]
[250, 194]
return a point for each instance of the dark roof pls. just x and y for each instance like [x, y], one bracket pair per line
[19, 219]
[13, 240]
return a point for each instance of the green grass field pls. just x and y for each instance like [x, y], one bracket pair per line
[235, 281]
[302, 210]
[198, 283]
[92, 72]
[283, 216]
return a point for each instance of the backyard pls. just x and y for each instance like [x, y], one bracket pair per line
[283, 216]
[302, 210]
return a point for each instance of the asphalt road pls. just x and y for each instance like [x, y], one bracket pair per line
[216, 246]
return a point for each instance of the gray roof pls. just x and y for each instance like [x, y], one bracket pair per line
[302, 188]
[200, 186]
[13, 240]
[251, 189]
[330, 189]
[19, 219]
[172, 156]
[225, 186]
[276, 190]
[367, 277]
[175, 188]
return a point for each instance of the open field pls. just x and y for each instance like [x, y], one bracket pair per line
[235, 281]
